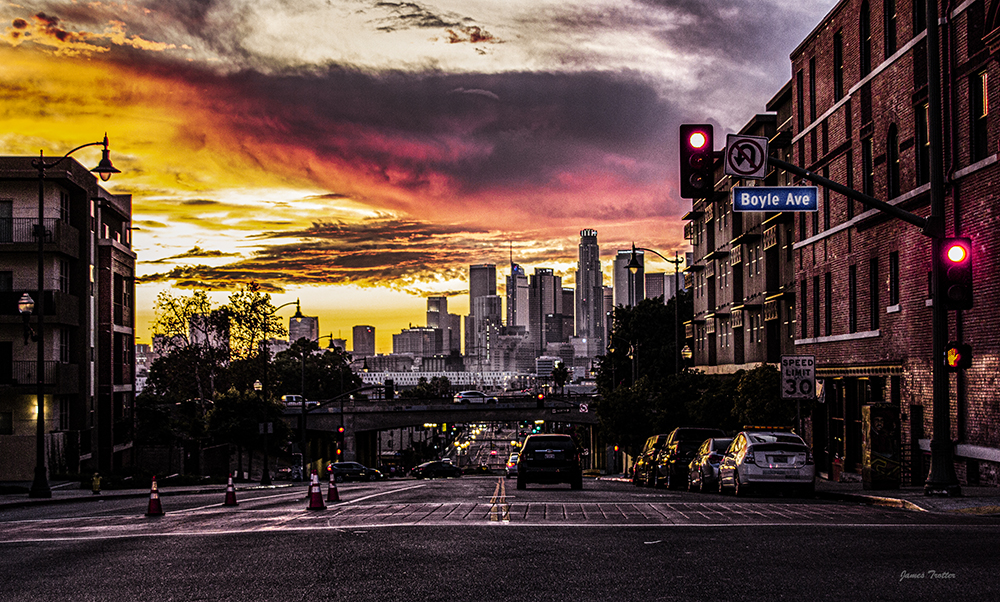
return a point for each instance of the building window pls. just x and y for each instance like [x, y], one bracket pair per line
[828, 309]
[64, 271]
[838, 66]
[6, 423]
[980, 106]
[889, 17]
[873, 289]
[867, 167]
[800, 97]
[805, 305]
[64, 206]
[923, 145]
[865, 35]
[894, 278]
[919, 16]
[812, 89]
[852, 302]
[6, 281]
[826, 201]
[892, 162]
[816, 314]
[64, 345]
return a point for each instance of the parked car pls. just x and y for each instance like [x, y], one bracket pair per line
[549, 459]
[295, 401]
[437, 468]
[644, 467]
[760, 458]
[352, 471]
[703, 471]
[512, 465]
[473, 397]
[675, 455]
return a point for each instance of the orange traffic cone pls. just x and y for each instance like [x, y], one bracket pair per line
[315, 495]
[230, 493]
[333, 495]
[154, 501]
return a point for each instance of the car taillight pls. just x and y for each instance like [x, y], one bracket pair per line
[748, 456]
[809, 457]
[714, 458]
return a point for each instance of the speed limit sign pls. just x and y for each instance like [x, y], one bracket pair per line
[798, 377]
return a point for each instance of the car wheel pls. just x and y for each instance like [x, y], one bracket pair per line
[651, 479]
[722, 490]
[701, 482]
[738, 491]
[521, 484]
[371, 478]
[338, 478]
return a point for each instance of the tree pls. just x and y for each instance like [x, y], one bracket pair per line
[323, 375]
[252, 321]
[560, 376]
[194, 329]
[439, 387]
[758, 399]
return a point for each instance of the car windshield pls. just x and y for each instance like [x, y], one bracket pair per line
[774, 438]
[558, 443]
[720, 445]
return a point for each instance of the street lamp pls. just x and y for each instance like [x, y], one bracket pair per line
[40, 485]
[265, 426]
[302, 431]
[633, 266]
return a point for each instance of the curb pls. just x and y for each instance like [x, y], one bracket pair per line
[21, 503]
[871, 500]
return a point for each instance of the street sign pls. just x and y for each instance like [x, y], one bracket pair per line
[775, 198]
[560, 410]
[584, 408]
[746, 156]
[798, 377]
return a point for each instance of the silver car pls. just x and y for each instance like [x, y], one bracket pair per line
[767, 458]
[512, 465]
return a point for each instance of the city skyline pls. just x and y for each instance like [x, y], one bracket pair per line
[359, 157]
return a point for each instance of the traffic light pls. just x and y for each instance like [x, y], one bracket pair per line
[697, 164]
[540, 401]
[956, 273]
[339, 439]
[390, 389]
[957, 356]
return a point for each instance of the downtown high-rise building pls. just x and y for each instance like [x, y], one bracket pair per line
[590, 318]
[363, 341]
[545, 299]
[482, 283]
[629, 288]
[303, 327]
[517, 298]
[449, 324]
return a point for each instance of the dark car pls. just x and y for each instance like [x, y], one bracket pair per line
[429, 470]
[352, 471]
[703, 471]
[549, 459]
[675, 455]
[644, 468]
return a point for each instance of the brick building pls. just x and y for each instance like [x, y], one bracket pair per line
[852, 287]
[89, 337]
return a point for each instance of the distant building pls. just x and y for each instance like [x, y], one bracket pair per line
[590, 293]
[363, 341]
[303, 327]
[629, 288]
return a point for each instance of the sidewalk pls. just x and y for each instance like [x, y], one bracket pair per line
[70, 492]
[974, 499]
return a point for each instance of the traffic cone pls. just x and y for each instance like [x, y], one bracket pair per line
[333, 495]
[155, 509]
[315, 495]
[230, 493]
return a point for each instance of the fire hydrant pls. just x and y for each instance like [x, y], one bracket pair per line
[837, 468]
[95, 484]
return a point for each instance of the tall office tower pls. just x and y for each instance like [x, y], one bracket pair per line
[544, 298]
[609, 315]
[363, 341]
[303, 327]
[590, 293]
[487, 311]
[654, 286]
[482, 283]
[517, 297]
[629, 289]
[449, 324]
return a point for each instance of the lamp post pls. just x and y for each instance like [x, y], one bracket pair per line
[303, 430]
[266, 356]
[265, 426]
[634, 265]
[40, 485]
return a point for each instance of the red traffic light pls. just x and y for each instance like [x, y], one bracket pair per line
[697, 139]
[696, 160]
[340, 429]
[956, 272]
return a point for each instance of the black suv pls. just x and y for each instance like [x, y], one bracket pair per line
[352, 471]
[675, 455]
[644, 469]
[549, 459]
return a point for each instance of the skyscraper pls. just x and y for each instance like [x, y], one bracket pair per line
[629, 289]
[590, 293]
[364, 341]
[482, 283]
[544, 299]
[303, 327]
[517, 297]
[449, 324]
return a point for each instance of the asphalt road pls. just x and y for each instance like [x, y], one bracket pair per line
[471, 539]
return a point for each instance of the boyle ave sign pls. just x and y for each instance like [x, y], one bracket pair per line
[775, 198]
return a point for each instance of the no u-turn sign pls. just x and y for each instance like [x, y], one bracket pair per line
[798, 377]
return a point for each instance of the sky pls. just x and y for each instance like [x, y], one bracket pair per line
[359, 155]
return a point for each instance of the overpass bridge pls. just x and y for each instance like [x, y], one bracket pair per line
[363, 420]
